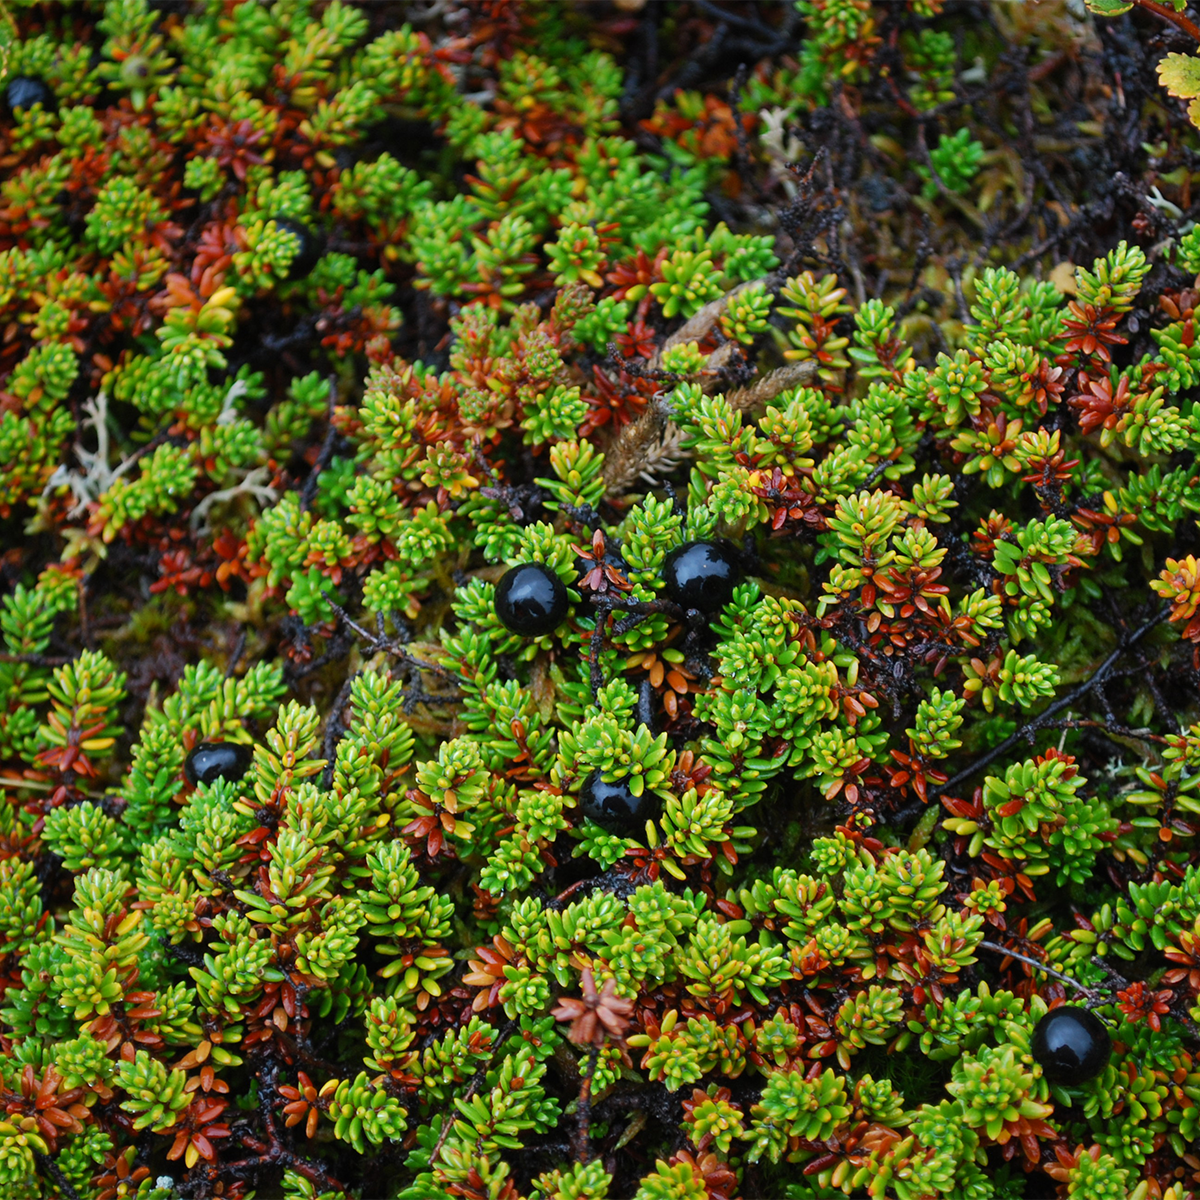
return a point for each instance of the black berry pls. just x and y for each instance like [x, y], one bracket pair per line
[25, 91]
[211, 761]
[613, 806]
[1071, 1044]
[701, 575]
[531, 600]
[308, 251]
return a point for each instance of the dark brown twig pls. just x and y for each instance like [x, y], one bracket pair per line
[238, 650]
[1112, 728]
[48, 1167]
[335, 730]
[476, 1083]
[1072, 697]
[376, 642]
[310, 484]
[583, 1108]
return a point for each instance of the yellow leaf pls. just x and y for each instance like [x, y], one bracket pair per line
[221, 298]
[132, 921]
[1180, 75]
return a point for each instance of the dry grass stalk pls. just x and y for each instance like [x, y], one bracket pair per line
[698, 327]
[764, 390]
[628, 453]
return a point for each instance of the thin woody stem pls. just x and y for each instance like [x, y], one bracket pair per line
[47, 1166]
[377, 643]
[583, 1108]
[636, 610]
[1171, 16]
[1042, 720]
[1091, 993]
[476, 1083]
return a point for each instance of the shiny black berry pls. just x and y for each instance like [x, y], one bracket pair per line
[613, 806]
[25, 91]
[211, 761]
[701, 575]
[1071, 1044]
[531, 600]
[308, 251]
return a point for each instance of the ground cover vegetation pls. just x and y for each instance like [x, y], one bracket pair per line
[599, 600]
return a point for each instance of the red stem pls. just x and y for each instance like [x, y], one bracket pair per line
[1171, 16]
